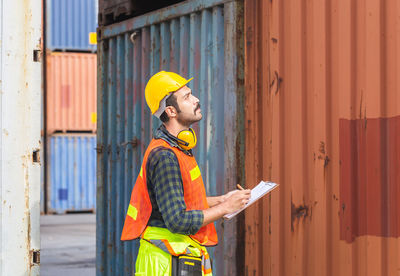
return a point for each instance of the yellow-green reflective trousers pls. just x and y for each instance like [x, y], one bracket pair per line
[152, 261]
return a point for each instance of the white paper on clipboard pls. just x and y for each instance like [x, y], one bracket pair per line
[257, 192]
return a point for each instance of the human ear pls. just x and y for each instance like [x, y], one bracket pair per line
[171, 111]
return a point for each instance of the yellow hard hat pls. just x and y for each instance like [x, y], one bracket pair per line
[159, 87]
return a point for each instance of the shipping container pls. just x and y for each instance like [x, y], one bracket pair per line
[322, 119]
[72, 169]
[20, 148]
[200, 39]
[71, 92]
[71, 25]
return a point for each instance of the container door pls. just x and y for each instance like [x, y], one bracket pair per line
[20, 148]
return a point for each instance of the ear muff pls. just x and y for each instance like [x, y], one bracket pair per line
[187, 139]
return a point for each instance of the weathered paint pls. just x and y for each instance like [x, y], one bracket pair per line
[71, 92]
[202, 39]
[322, 120]
[370, 152]
[69, 24]
[20, 103]
[72, 169]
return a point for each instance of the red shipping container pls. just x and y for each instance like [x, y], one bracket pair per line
[71, 92]
[322, 119]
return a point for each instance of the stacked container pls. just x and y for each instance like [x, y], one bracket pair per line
[71, 105]
[72, 172]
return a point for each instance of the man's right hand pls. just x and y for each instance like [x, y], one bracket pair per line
[236, 201]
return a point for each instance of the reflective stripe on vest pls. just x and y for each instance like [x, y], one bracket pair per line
[139, 209]
[195, 173]
[132, 212]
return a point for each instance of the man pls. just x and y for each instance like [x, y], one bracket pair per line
[169, 209]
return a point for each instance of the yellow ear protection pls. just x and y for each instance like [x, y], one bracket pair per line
[187, 139]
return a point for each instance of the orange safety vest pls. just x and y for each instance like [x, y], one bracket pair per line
[140, 208]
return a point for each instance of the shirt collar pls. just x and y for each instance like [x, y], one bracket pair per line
[161, 133]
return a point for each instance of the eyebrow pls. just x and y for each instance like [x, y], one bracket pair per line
[190, 92]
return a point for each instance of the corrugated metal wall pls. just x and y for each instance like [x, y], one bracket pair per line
[196, 38]
[70, 23]
[323, 120]
[72, 169]
[71, 92]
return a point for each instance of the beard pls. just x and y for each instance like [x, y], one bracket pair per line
[187, 119]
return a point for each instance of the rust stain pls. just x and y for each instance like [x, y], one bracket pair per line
[326, 161]
[299, 212]
[322, 147]
[361, 100]
[322, 155]
[276, 81]
[25, 161]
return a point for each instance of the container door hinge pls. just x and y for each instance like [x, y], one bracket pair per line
[36, 257]
[134, 143]
[99, 149]
[37, 55]
[36, 156]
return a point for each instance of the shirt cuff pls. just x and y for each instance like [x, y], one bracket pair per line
[197, 221]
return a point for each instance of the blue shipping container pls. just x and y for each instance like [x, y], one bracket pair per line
[70, 23]
[72, 173]
[201, 39]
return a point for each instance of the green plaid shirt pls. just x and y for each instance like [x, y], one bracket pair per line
[164, 183]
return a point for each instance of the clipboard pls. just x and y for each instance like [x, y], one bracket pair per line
[257, 192]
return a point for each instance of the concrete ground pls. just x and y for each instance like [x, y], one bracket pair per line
[68, 245]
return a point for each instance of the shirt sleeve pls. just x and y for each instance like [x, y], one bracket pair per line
[168, 189]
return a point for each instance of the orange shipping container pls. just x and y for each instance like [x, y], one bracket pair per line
[322, 119]
[71, 92]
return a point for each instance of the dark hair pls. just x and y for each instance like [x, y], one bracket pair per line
[171, 101]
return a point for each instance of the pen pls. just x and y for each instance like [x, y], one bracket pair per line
[239, 187]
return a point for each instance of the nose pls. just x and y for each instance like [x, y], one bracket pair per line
[195, 99]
